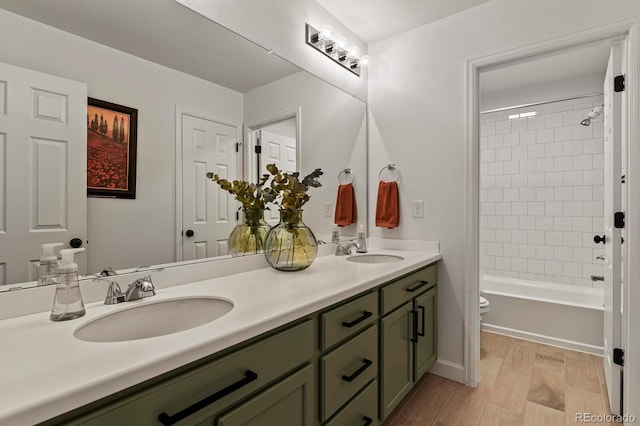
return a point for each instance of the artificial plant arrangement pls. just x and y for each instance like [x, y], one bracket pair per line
[287, 191]
[250, 195]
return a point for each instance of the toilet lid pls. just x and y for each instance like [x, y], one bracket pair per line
[483, 302]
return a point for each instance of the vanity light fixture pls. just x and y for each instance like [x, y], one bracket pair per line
[336, 48]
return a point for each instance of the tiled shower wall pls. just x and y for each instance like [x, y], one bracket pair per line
[542, 192]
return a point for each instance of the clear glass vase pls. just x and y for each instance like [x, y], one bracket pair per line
[290, 245]
[248, 237]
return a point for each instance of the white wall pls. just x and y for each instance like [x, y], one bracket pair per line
[333, 138]
[279, 25]
[542, 193]
[124, 233]
[417, 100]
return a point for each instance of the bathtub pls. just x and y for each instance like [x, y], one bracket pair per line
[562, 315]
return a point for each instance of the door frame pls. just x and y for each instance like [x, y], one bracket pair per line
[180, 111]
[631, 336]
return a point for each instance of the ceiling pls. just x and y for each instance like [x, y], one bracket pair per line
[373, 20]
[156, 30]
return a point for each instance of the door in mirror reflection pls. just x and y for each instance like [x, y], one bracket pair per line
[208, 213]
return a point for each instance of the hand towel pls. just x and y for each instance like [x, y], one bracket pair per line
[387, 206]
[346, 208]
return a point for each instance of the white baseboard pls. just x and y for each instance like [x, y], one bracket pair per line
[554, 341]
[448, 370]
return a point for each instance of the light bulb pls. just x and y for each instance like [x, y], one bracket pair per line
[325, 32]
[341, 43]
[364, 61]
[353, 52]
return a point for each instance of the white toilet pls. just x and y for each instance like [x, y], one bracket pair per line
[484, 306]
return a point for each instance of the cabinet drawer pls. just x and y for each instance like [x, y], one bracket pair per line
[229, 378]
[347, 369]
[348, 319]
[362, 410]
[397, 293]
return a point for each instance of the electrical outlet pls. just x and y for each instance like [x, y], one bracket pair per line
[328, 209]
[417, 208]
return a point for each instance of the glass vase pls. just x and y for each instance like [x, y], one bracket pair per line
[290, 245]
[248, 237]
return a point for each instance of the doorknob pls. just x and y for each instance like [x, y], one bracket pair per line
[598, 239]
[75, 242]
[189, 233]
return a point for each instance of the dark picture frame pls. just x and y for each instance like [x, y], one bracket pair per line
[112, 135]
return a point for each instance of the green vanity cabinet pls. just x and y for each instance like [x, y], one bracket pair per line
[426, 345]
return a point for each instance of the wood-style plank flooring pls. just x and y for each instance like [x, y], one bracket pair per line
[521, 383]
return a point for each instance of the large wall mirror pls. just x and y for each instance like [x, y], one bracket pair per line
[201, 91]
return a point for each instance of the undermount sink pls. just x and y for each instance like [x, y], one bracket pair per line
[374, 258]
[153, 319]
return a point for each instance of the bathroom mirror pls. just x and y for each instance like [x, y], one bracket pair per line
[174, 65]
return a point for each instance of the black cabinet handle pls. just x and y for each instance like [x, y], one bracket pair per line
[167, 420]
[414, 327]
[420, 285]
[421, 333]
[366, 364]
[364, 316]
[367, 421]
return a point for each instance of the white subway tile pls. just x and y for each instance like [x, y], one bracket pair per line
[527, 137]
[483, 142]
[554, 149]
[583, 162]
[552, 267]
[598, 224]
[535, 122]
[587, 240]
[573, 178]
[582, 224]
[494, 249]
[511, 222]
[487, 209]
[598, 161]
[483, 222]
[563, 164]
[519, 264]
[519, 152]
[535, 179]
[528, 165]
[487, 155]
[512, 167]
[503, 209]
[495, 168]
[562, 280]
[487, 235]
[535, 151]
[519, 237]
[572, 239]
[544, 135]
[511, 274]
[495, 194]
[495, 141]
[535, 237]
[554, 178]
[519, 125]
[535, 266]
[528, 194]
[487, 129]
[511, 250]
[544, 165]
[563, 193]
[554, 120]
[511, 194]
[553, 238]
[503, 235]
[572, 118]
[593, 177]
[582, 132]
[503, 181]
[593, 208]
[572, 208]
[527, 222]
[561, 223]
[544, 252]
[519, 180]
[572, 147]
[544, 194]
[488, 261]
[583, 193]
[527, 251]
[583, 255]
[598, 192]
[495, 222]
[593, 146]
[535, 208]
[572, 269]
[598, 128]
[564, 254]
[488, 182]
[503, 263]
[561, 134]
[512, 139]
[503, 127]
[483, 169]
[503, 154]
[519, 208]
[591, 269]
[554, 208]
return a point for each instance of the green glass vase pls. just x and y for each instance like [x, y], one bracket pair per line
[248, 237]
[290, 245]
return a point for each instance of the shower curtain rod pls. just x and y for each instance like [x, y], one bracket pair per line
[541, 103]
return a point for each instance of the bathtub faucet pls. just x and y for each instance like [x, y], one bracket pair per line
[597, 278]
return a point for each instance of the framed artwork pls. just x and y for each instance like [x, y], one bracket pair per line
[112, 132]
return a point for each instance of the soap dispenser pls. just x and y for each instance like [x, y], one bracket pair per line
[67, 303]
[361, 241]
[48, 268]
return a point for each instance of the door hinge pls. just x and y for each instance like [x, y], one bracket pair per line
[623, 178]
[237, 146]
[618, 356]
[618, 220]
[237, 215]
[258, 149]
[618, 83]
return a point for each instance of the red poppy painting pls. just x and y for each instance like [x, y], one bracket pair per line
[111, 150]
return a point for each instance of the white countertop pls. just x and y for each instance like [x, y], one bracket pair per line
[45, 371]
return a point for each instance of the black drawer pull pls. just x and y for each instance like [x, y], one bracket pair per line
[420, 285]
[367, 363]
[167, 420]
[367, 421]
[421, 334]
[364, 316]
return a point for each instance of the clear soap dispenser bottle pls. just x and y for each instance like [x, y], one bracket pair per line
[48, 268]
[67, 303]
[361, 241]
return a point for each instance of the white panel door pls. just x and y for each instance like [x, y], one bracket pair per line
[208, 213]
[281, 151]
[43, 166]
[613, 246]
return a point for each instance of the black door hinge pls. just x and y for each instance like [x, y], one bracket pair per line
[237, 215]
[618, 220]
[618, 83]
[618, 356]
[258, 149]
[237, 147]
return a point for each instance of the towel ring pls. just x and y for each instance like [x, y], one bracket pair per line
[346, 173]
[391, 168]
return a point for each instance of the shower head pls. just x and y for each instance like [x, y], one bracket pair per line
[592, 114]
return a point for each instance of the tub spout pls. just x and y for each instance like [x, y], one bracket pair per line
[597, 278]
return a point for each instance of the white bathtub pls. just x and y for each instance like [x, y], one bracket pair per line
[561, 315]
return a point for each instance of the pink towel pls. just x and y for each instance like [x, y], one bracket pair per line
[388, 205]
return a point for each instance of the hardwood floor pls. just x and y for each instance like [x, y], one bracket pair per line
[521, 383]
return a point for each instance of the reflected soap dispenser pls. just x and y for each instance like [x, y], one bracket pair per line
[361, 241]
[48, 268]
[67, 303]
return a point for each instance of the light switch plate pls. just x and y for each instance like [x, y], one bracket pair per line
[328, 209]
[417, 208]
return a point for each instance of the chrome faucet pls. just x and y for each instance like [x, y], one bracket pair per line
[343, 248]
[140, 288]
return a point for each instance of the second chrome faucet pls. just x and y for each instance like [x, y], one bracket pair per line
[138, 289]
